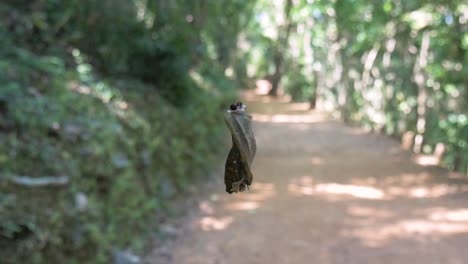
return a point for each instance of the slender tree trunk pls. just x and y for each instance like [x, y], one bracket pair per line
[282, 44]
[420, 80]
[369, 63]
[341, 76]
[315, 93]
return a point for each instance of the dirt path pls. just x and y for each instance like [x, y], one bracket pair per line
[327, 193]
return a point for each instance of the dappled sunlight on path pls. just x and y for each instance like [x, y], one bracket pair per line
[327, 193]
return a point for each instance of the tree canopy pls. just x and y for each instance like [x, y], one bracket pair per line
[392, 66]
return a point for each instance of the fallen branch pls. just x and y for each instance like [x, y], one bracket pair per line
[39, 182]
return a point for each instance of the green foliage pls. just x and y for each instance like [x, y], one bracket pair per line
[115, 146]
[112, 95]
[387, 65]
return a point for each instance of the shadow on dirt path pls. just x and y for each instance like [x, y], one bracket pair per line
[327, 193]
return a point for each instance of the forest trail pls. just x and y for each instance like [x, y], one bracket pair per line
[324, 192]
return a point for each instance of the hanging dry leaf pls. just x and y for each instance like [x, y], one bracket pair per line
[238, 175]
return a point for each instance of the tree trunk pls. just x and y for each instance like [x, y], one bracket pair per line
[282, 44]
[420, 80]
[315, 93]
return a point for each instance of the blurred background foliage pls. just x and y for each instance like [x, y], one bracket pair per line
[123, 99]
[391, 66]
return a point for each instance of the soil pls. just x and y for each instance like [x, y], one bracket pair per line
[324, 192]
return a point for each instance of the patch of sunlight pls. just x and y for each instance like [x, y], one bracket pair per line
[100, 91]
[424, 192]
[376, 236]
[243, 206]
[427, 160]
[229, 72]
[309, 118]
[452, 215]
[121, 104]
[419, 18]
[305, 186]
[260, 192]
[317, 161]
[262, 87]
[206, 207]
[76, 87]
[427, 227]
[435, 191]
[327, 105]
[376, 115]
[353, 190]
[103, 92]
[213, 223]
